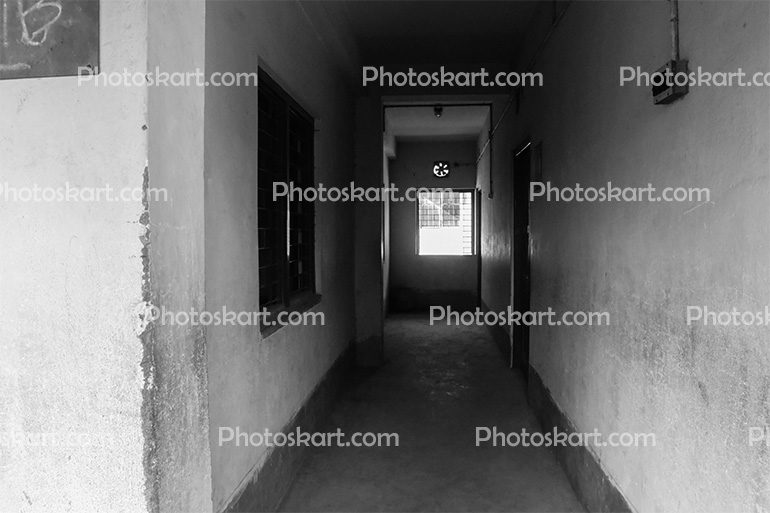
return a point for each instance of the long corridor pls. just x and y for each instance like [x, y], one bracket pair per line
[439, 383]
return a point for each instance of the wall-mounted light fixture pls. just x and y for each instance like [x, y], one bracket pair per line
[438, 110]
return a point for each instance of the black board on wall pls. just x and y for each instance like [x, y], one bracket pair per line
[48, 38]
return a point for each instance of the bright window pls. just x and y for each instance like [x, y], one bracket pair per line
[445, 223]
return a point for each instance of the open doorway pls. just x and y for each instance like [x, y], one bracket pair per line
[433, 228]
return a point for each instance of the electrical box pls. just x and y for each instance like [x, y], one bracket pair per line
[670, 82]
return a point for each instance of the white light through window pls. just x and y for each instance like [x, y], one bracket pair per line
[445, 223]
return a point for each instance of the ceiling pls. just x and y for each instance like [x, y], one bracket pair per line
[456, 122]
[437, 31]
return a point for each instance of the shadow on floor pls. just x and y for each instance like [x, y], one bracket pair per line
[439, 383]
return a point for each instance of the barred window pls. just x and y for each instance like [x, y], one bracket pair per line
[286, 230]
[445, 223]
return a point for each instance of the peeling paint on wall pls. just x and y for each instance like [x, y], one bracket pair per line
[70, 275]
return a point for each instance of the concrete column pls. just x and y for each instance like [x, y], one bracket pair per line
[368, 234]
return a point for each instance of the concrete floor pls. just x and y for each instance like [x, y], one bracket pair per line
[438, 384]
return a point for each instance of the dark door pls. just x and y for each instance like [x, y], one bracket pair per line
[520, 271]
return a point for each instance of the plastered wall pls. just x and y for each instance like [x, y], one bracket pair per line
[698, 388]
[259, 383]
[496, 203]
[178, 464]
[71, 274]
[385, 238]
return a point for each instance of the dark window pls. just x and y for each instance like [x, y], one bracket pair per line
[286, 228]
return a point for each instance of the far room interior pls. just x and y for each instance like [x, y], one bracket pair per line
[432, 242]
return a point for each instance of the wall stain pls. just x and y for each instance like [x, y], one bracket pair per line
[703, 392]
[147, 337]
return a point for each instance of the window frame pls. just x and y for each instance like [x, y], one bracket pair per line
[474, 227]
[307, 297]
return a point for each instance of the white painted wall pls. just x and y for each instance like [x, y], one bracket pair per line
[496, 229]
[70, 277]
[179, 466]
[697, 388]
[259, 383]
